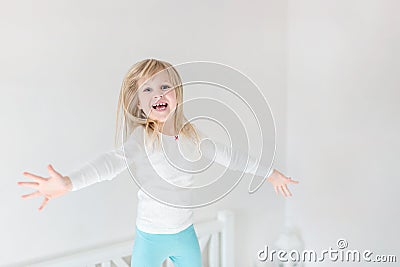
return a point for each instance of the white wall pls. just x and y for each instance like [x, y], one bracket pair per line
[343, 122]
[62, 64]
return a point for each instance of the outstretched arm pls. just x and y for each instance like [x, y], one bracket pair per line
[105, 167]
[240, 161]
[233, 159]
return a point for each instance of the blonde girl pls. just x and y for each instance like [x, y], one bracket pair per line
[151, 106]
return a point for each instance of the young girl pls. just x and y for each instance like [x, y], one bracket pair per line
[157, 133]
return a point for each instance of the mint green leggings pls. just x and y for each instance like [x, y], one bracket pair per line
[150, 250]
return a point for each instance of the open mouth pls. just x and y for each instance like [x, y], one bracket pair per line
[160, 106]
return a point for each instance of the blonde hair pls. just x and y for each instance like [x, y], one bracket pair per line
[133, 116]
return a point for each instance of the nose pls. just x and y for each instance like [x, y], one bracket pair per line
[158, 96]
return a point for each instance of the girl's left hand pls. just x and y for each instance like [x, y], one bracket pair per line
[280, 181]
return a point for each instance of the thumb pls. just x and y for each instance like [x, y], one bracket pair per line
[52, 171]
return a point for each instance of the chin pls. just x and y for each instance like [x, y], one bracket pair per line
[158, 119]
[161, 118]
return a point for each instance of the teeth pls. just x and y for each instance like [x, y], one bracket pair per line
[160, 104]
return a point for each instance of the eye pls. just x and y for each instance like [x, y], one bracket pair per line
[146, 89]
[165, 86]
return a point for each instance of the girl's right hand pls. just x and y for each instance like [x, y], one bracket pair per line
[54, 186]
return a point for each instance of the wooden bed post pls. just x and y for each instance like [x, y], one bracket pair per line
[227, 238]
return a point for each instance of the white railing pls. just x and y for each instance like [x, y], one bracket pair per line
[216, 239]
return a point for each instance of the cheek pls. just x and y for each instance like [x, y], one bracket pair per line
[143, 102]
[172, 98]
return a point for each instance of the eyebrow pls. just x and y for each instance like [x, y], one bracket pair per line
[149, 84]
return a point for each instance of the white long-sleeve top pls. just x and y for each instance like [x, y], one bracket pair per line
[165, 177]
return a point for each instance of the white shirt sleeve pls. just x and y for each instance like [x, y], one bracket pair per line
[233, 159]
[106, 166]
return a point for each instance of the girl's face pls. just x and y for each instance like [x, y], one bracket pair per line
[157, 97]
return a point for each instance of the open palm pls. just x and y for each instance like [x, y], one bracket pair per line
[54, 186]
[280, 182]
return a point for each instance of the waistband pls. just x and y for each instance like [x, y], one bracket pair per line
[189, 229]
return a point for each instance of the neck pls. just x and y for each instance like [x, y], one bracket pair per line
[167, 128]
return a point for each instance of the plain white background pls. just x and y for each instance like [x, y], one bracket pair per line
[328, 69]
[343, 122]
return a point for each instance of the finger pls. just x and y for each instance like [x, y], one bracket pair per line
[34, 177]
[276, 190]
[34, 194]
[29, 184]
[45, 200]
[52, 171]
[282, 191]
[292, 181]
[287, 190]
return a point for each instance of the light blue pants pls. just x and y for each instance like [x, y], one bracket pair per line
[150, 250]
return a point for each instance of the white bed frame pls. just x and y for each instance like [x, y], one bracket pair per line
[216, 240]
